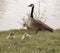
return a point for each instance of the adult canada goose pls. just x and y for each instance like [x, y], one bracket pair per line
[37, 25]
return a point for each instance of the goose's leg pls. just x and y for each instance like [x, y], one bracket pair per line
[36, 31]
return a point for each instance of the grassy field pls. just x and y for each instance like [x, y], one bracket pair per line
[42, 42]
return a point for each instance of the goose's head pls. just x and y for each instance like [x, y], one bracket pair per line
[31, 5]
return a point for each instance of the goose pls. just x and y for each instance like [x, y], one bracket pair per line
[11, 36]
[26, 36]
[37, 25]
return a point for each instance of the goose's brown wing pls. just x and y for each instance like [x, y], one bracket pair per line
[41, 25]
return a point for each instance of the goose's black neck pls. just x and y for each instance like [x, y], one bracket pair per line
[32, 11]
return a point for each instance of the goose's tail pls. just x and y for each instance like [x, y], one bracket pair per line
[50, 29]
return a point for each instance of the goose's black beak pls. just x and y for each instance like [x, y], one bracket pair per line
[30, 5]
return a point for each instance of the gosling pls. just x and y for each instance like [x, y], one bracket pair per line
[11, 36]
[26, 36]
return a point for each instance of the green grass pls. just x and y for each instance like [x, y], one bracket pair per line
[42, 42]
